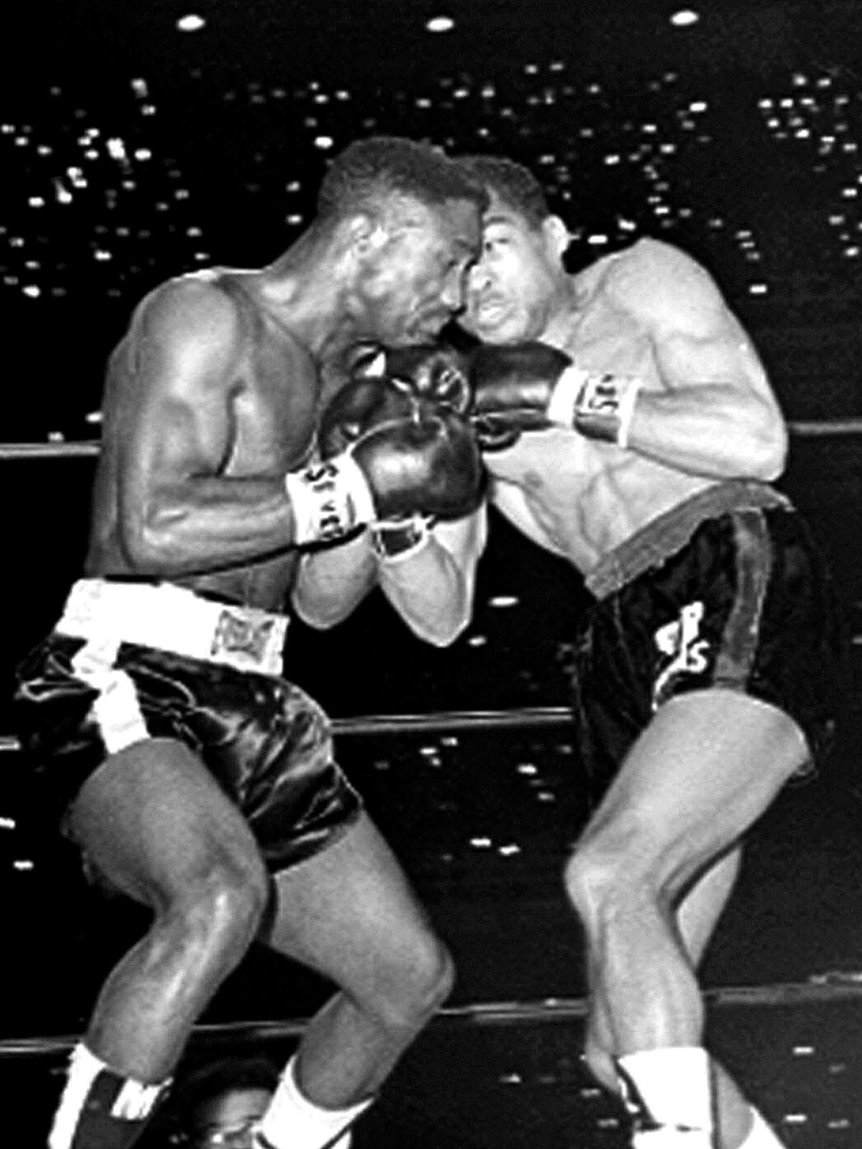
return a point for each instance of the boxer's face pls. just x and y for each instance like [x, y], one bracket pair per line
[511, 289]
[417, 282]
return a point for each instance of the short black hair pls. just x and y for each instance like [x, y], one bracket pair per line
[205, 1084]
[513, 183]
[378, 166]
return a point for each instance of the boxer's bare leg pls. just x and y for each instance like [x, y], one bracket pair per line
[709, 764]
[349, 913]
[154, 822]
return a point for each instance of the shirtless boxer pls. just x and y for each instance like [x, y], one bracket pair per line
[192, 775]
[629, 427]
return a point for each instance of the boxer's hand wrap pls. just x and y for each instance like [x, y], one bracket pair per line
[600, 406]
[328, 500]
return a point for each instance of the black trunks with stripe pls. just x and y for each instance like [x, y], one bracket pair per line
[265, 741]
[727, 590]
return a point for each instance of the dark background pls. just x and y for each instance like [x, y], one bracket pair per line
[130, 151]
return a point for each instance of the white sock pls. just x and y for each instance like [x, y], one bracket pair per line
[674, 1085]
[294, 1122]
[761, 1136]
[133, 1102]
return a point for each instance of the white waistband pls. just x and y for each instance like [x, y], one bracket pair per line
[175, 619]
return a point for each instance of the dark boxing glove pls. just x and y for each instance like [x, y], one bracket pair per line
[434, 372]
[358, 407]
[532, 386]
[427, 466]
[387, 458]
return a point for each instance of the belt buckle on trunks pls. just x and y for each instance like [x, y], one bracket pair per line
[248, 640]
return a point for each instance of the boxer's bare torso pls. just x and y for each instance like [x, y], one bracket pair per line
[209, 401]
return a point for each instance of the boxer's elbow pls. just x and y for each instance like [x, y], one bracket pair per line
[156, 543]
[768, 445]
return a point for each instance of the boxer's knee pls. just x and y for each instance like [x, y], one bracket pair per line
[616, 875]
[212, 915]
[414, 988]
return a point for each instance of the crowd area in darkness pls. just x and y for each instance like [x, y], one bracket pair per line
[108, 192]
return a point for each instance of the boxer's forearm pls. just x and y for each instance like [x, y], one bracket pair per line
[331, 583]
[432, 586]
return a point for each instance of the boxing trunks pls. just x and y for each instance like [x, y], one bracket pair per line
[725, 590]
[129, 661]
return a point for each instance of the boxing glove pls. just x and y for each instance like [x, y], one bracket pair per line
[366, 402]
[533, 386]
[434, 372]
[424, 465]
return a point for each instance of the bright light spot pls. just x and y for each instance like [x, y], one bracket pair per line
[439, 24]
[93, 417]
[23, 865]
[504, 600]
[117, 149]
[191, 23]
[7, 823]
[684, 18]
[323, 142]
[32, 290]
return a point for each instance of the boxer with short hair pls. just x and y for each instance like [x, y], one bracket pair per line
[192, 775]
[629, 427]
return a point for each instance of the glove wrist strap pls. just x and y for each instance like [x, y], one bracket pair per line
[395, 540]
[561, 407]
[328, 500]
[605, 406]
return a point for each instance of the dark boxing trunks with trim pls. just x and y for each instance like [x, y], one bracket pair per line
[726, 590]
[80, 697]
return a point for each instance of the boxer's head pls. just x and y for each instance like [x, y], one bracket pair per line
[408, 222]
[519, 283]
[223, 1103]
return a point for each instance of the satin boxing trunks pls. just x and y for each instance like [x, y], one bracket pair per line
[726, 590]
[129, 661]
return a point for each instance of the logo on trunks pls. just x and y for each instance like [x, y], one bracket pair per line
[682, 646]
[236, 635]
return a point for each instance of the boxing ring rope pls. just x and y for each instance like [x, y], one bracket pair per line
[828, 988]
[89, 448]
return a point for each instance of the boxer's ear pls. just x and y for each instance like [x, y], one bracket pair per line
[365, 234]
[557, 236]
